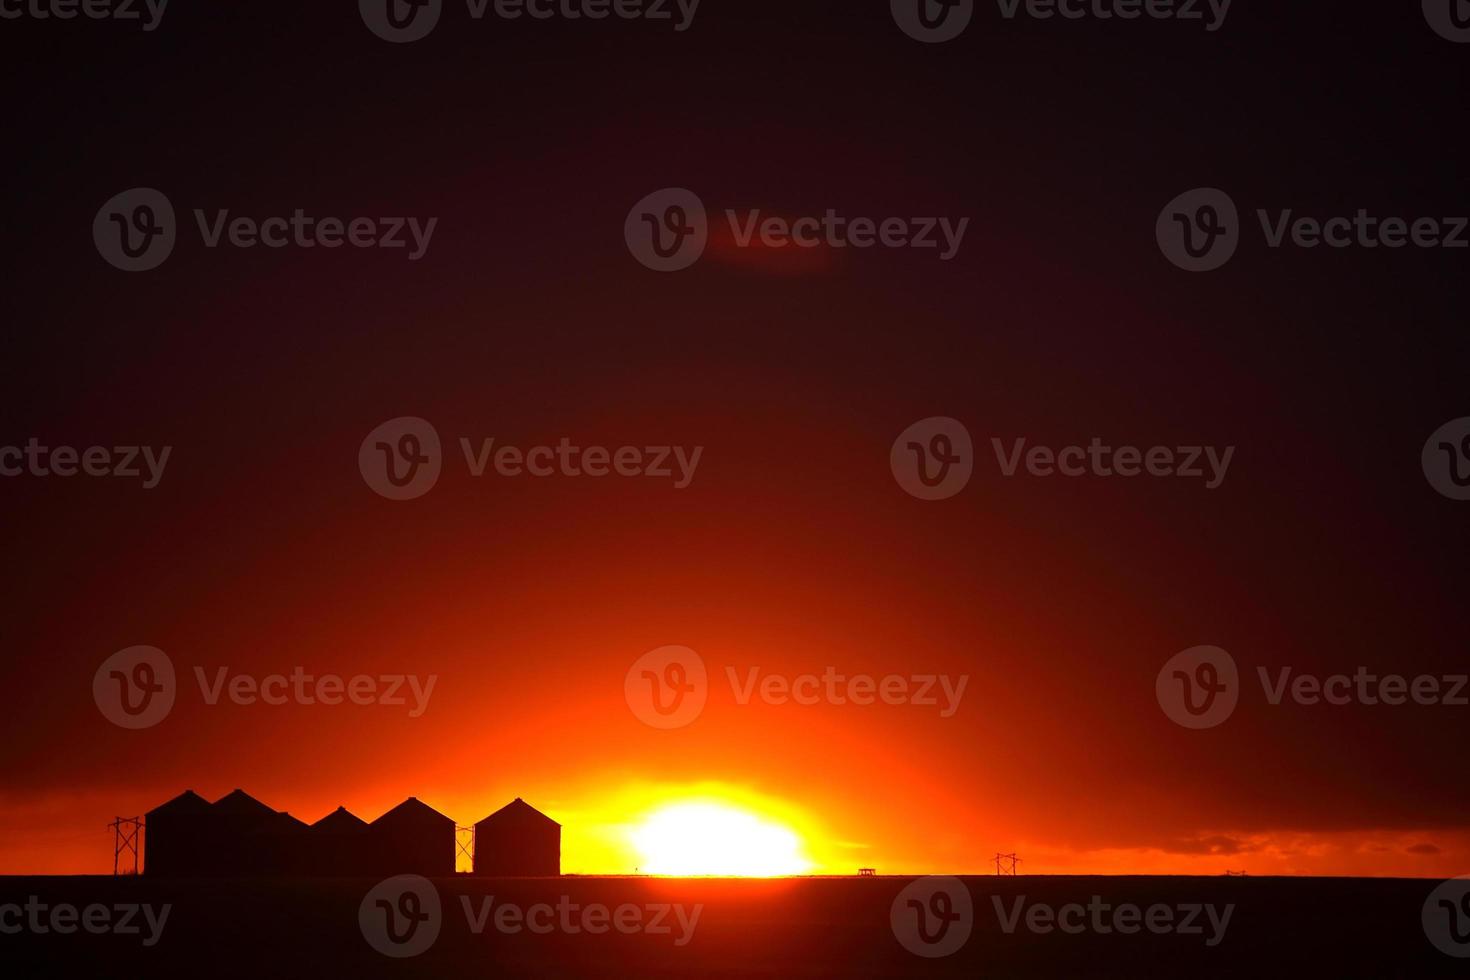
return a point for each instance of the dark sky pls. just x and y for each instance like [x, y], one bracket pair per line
[528, 320]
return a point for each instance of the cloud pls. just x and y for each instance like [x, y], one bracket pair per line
[1215, 844]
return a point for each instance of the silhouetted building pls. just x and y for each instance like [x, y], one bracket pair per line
[253, 839]
[518, 840]
[411, 838]
[337, 844]
[235, 835]
[177, 837]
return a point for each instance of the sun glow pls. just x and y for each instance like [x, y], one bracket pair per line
[707, 838]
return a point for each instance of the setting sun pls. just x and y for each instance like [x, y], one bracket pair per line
[716, 839]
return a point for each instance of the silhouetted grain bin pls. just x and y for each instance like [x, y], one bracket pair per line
[252, 839]
[337, 844]
[411, 838]
[518, 840]
[177, 837]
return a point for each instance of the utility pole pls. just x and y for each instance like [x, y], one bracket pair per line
[464, 843]
[125, 834]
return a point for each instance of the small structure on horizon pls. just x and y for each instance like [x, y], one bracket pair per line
[1005, 864]
[518, 841]
[867, 872]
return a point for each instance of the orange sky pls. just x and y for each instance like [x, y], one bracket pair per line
[1057, 750]
[792, 551]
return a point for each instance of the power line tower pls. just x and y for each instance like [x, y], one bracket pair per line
[464, 844]
[126, 832]
[1005, 864]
